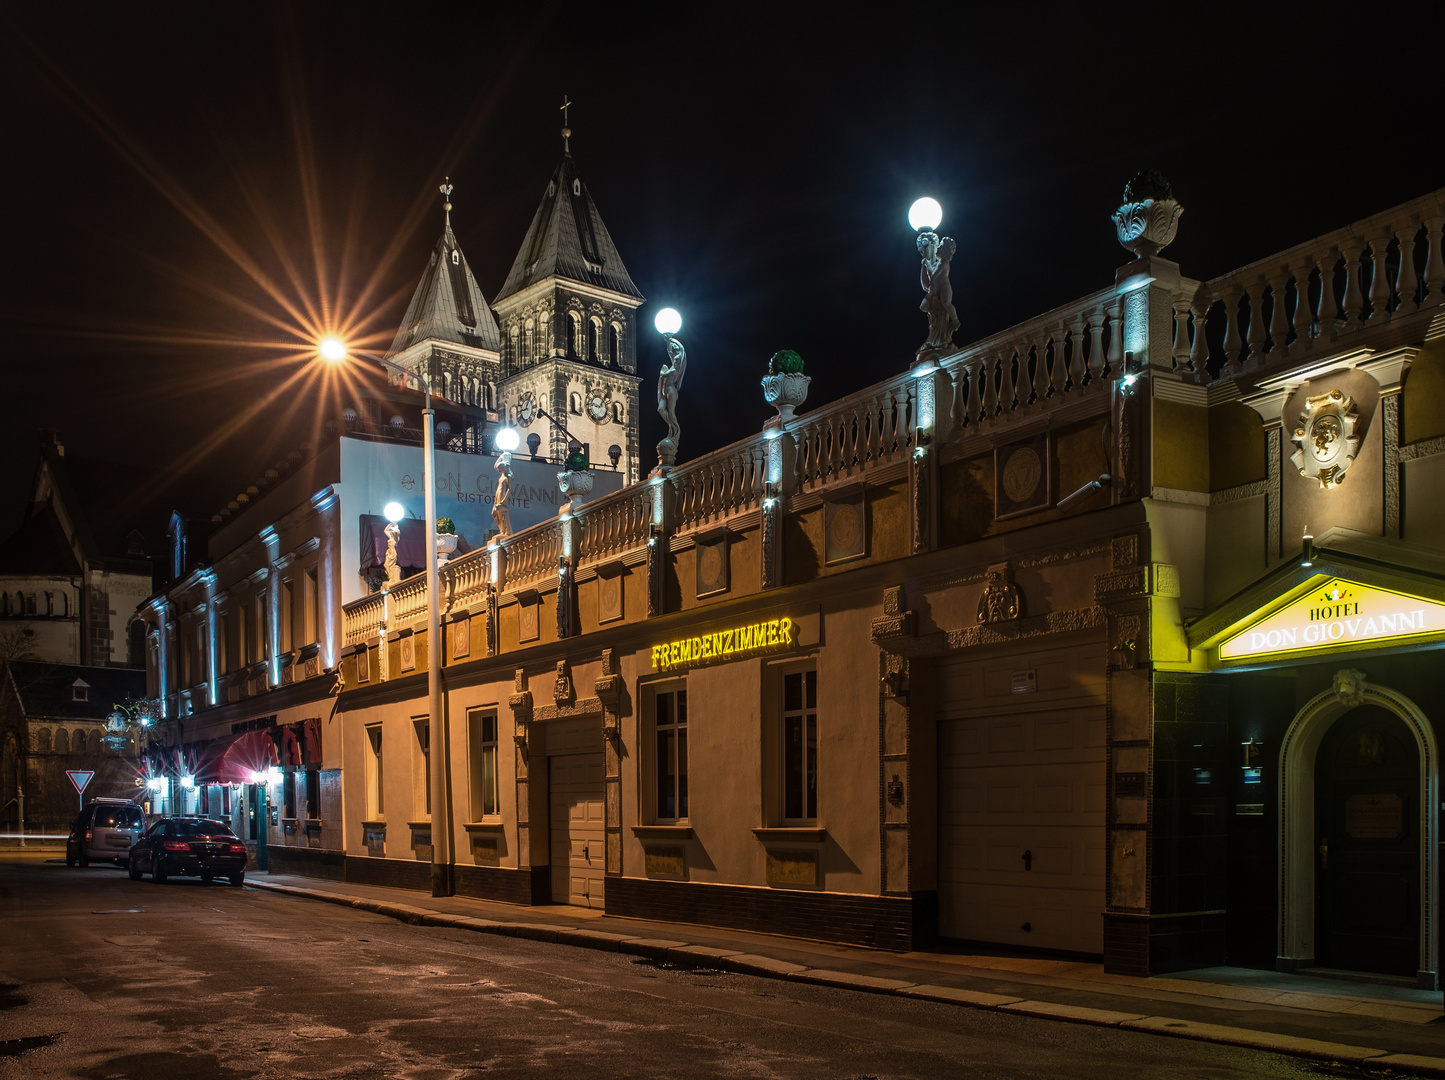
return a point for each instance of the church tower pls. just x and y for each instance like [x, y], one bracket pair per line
[449, 325]
[568, 323]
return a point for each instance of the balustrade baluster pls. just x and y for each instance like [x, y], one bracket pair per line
[1303, 309]
[1256, 332]
[990, 388]
[1434, 259]
[973, 406]
[1406, 281]
[1199, 347]
[1354, 251]
[1329, 313]
[1278, 317]
[1096, 347]
[1379, 276]
[1059, 373]
[1076, 352]
[1180, 351]
[1233, 343]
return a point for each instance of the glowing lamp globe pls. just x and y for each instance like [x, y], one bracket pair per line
[394, 511]
[507, 439]
[925, 214]
[668, 321]
[332, 350]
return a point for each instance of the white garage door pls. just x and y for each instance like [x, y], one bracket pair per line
[1021, 791]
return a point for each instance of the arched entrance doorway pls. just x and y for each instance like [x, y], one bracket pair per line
[1318, 905]
[1367, 843]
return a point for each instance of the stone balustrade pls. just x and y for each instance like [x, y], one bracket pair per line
[1298, 303]
[1298, 306]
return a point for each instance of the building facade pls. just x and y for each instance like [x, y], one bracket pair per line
[1111, 634]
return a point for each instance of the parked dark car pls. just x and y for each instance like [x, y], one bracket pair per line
[104, 831]
[200, 847]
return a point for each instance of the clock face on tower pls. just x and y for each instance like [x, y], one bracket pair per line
[598, 400]
[526, 408]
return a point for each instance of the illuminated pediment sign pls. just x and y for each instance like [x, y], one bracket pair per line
[1337, 614]
[770, 635]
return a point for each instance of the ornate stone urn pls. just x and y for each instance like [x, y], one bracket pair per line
[785, 387]
[576, 479]
[1148, 220]
[446, 540]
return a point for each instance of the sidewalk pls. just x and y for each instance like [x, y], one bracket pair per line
[1365, 1024]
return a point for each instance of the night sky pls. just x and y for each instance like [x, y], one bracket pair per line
[754, 169]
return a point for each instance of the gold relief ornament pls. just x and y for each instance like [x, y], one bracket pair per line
[1325, 439]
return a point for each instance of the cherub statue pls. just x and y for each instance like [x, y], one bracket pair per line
[937, 302]
[501, 511]
[669, 385]
[393, 571]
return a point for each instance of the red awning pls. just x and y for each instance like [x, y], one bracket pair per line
[234, 760]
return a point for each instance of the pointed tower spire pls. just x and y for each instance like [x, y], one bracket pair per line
[448, 304]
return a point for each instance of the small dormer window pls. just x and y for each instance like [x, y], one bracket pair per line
[80, 690]
[456, 257]
[576, 187]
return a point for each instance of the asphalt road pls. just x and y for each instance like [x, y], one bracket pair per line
[104, 977]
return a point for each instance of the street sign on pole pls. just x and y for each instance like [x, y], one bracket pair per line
[79, 778]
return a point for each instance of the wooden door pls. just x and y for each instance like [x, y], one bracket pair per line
[576, 828]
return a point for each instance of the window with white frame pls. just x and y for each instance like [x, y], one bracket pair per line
[482, 762]
[669, 712]
[800, 746]
[288, 612]
[375, 803]
[421, 772]
[310, 600]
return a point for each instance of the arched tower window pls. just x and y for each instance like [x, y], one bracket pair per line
[574, 335]
[594, 332]
[92, 742]
[62, 741]
[447, 385]
[614, 345]
[42, 741]
[544, 342]
[574, 403]
[515, 352]
[529, 334]
[617, 411]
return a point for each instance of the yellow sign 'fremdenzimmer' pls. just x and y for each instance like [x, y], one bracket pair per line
[738, 641]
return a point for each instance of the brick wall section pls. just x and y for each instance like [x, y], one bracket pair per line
[392, 873]
[880, 922]
[1126, 944]
[312, 862]
[530, 886]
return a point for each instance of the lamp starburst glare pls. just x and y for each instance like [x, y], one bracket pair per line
[332, 349]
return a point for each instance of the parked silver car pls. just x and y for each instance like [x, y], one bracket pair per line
[104, 831]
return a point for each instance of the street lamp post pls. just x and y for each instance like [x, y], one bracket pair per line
[443, 873]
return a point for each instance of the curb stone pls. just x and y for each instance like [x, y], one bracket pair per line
[768, 967]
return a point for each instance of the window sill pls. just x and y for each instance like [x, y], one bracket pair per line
[379, 824]
[662, 832]
[424, 824]
[792, 834]
[485, 826]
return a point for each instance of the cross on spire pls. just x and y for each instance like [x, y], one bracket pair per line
[446, 190]
[566, 129]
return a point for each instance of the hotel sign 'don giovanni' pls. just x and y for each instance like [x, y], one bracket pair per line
[769, 635]
[1337, 614]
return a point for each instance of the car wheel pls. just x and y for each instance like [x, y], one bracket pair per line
[158, 872]
[238, 878]
[133, 869]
